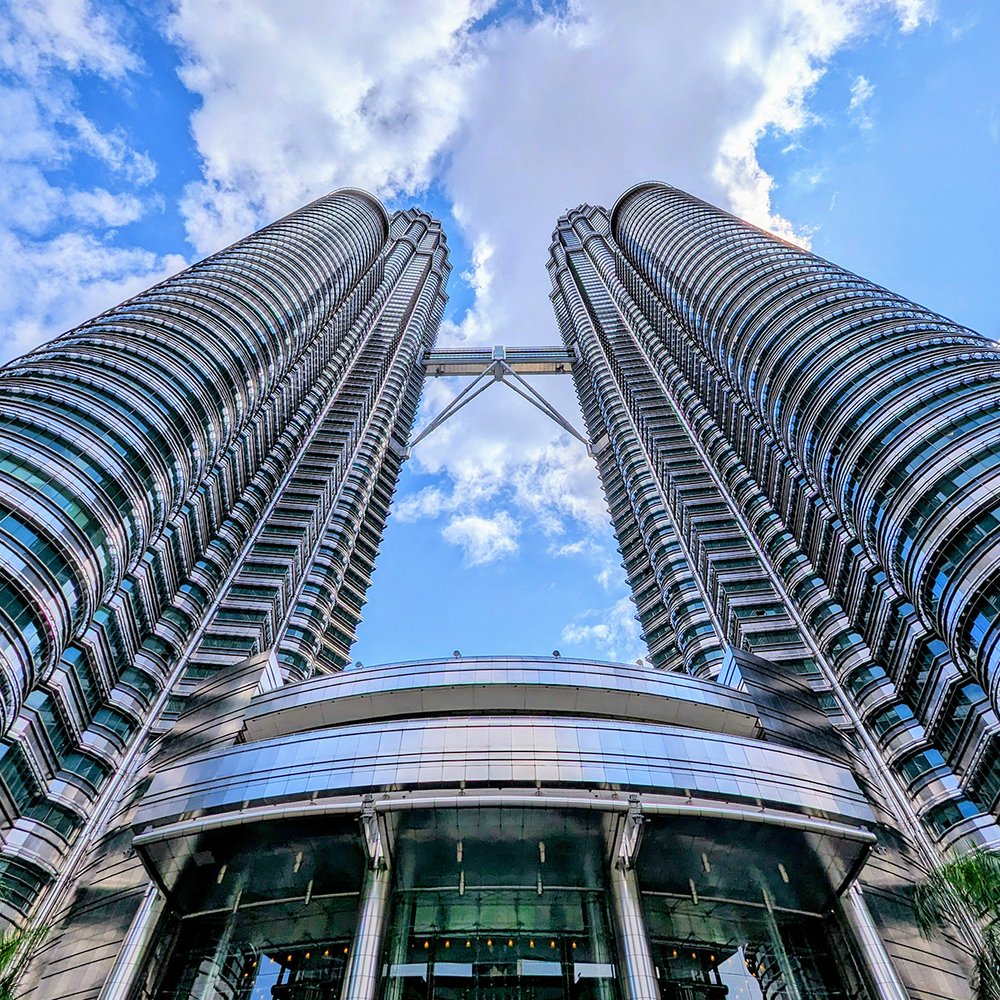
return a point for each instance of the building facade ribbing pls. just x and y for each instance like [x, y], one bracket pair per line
[800, 464]
[195, 476]
[200, 802]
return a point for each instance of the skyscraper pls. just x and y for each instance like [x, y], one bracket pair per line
[799, 464]
[200, 802]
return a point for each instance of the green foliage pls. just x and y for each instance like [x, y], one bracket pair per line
[15, 948]
[968, 887]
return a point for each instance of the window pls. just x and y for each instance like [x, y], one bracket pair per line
[957, 711]
[943, 817]
[889, 717]
[83, 766]
[919, 764]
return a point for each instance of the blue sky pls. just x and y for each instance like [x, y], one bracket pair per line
[137, 138]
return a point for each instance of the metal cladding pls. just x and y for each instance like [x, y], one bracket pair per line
[888, 411]
[801, 465]
[199, 800]
[198, 476]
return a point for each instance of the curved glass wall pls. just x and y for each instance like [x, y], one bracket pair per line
[496, 942]
[494, 857]
[729, 950]
[280, 951]
[520, 909]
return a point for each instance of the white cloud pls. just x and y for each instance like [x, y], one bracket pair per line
[862, 91]
[61, 266]
[501, 450]
[613, 631]
[102, 208]
[477, 326]
[112, 149]
[913, 13]
[300, 98]
[483, 539]
[71, 34]
[51, 285]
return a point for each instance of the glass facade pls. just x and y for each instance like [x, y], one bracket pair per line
[204, 803]
[555, 856]
[279, 951]
[495, 942]
[733, 951]
[523, 918]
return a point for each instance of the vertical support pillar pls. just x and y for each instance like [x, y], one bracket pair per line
[636, 958]
[361, 975]
[135, 947]
[876, 959]
[600, 950]
[779, 953]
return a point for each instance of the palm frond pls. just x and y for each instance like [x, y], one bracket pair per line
[15, 946]
[988, 965]
[967, 885]
[967, 888]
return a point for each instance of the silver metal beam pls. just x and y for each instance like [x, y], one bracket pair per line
[502, 365]
[124, 975]
[887, 982]
[524, 360]
[362, 973]
[633, 942]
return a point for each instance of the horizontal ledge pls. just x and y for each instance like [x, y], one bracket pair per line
[523, 360]
[356, 806]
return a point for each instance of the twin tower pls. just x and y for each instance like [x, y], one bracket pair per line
[199, 801]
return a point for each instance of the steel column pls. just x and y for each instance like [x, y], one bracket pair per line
[361, 976]
[636, 960]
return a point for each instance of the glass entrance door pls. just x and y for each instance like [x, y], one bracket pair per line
[500, 944]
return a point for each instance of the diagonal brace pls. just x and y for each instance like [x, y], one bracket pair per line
[474, 388]
[499, 371]
[527, 391]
